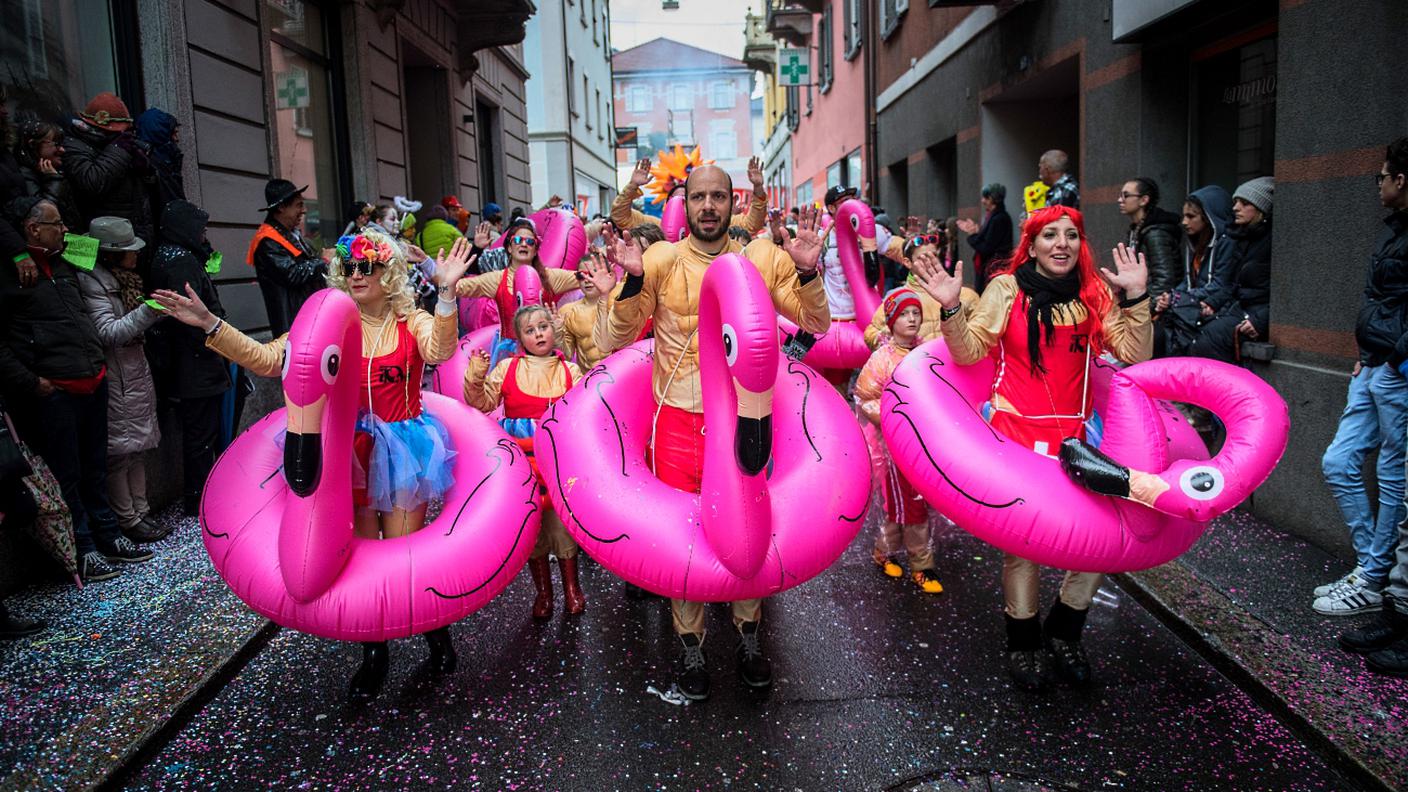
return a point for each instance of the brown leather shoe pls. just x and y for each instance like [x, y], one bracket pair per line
[542, 581]
[572, 596]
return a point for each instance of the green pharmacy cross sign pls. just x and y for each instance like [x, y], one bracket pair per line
[793, 67]
[291, 89]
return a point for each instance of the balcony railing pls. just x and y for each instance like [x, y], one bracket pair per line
[790, 21]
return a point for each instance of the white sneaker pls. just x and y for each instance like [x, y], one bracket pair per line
[1347, 600]
[1321, 591]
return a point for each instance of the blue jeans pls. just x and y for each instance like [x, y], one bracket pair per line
[1376, 416]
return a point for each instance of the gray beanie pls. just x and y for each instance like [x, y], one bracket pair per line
[1257, 192]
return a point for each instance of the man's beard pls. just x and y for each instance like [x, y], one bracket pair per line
[719, 232]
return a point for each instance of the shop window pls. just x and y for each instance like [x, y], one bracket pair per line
[852, 170]
[1235, 114]
[301, 74]
[58, 54]
[804, 194]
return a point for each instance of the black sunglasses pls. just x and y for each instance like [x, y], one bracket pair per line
[363, 266]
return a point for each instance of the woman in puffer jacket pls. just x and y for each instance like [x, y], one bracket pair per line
[113, 294]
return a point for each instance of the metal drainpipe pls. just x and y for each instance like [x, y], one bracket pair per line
[871, 123]
[571, 196]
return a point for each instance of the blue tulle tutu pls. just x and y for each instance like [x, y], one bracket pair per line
[410, 461]
[519, 427]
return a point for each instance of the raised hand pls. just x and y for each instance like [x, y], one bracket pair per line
[451, 266]
[967, 226]
[598, 271]
[740, 204]
[777, 227]
[929, 272]
[483, 235]
[478, 363]
[625, 252]
[185, 308]
[1131, 272]
[755, 175]
[805, 250]
[641, 175]
[559, 328]
[414, 254]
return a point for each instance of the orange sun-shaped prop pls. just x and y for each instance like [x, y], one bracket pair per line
[671, 169]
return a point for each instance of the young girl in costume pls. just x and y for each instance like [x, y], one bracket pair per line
[1047, 313]
[402, 454]
[522, 247]
[527, 384]
[906, 513]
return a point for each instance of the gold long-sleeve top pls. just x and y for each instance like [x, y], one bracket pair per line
[625, 216]
[539, 376]
[971, 334]
[435, 339]
[674, 274]
[559, 281]
[928, 325]
[579, 320]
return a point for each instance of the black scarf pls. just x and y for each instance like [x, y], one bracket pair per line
[1045, 297]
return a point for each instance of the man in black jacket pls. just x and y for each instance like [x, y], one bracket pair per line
[287, 267]
[54, 374]
[1155, 232]
[1377, 417]
[196, 376]
[107, 167]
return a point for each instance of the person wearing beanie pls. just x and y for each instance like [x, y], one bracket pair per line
[906, 523]
[878, 331]
[109, 168]
[1241, 299]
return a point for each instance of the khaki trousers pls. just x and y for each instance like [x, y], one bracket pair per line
[914, 539]
[1020, 580]
[553, 538]
[689, 616]
[127, 488]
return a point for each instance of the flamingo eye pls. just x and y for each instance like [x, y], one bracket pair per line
[518, 296]
[730, 344]
[1202, 483]
[332, 361]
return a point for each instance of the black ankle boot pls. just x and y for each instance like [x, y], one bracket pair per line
[443, 659]
[1093, 470]
[1062, 632]
[366, 683]
[1025, 660]
[1387, 627]
[753, 666]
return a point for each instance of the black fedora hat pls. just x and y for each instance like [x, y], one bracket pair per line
[278, 192]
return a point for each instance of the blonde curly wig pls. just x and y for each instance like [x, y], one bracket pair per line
[395, 278]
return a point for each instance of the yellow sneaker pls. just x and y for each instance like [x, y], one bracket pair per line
[927, 581]
[889, 567]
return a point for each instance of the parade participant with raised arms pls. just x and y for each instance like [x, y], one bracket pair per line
[671, 185]
[401, 453]
[522, 246]
[665, 284]
[1047, 315]
[526, 385]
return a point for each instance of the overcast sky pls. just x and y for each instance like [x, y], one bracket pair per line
[715, 25]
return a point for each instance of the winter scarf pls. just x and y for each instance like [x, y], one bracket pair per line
[1045, 297]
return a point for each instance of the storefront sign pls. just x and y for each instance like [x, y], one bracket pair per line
[794, 67]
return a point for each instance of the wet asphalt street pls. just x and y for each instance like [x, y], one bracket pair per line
[877, 686]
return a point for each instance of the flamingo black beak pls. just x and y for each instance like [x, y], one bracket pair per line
[752, 443]
[303, 462]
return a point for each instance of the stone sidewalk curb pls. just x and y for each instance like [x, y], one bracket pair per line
[149, 743]
[1265, 663]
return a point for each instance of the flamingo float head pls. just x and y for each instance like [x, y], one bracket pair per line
[321, 359]
[673, 219]
[738, 362]
[527, 287]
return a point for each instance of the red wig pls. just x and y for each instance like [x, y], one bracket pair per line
[1094, 294]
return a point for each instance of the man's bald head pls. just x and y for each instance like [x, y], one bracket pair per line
[1053, 165]
[708, 202]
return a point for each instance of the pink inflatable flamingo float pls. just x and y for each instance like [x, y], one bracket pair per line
[448, 377]
[785, 479]
[1023, 503]
[277, 523]
[673, 221]
[562, 240]
[843, 346]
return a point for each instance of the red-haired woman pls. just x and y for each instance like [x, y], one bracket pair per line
[1045, 315]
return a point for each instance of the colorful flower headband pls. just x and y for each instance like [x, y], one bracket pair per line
[361, 248]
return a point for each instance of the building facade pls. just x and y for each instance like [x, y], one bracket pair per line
[672, 93]
[570, 110]
[359, 100]
[1186, 92]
